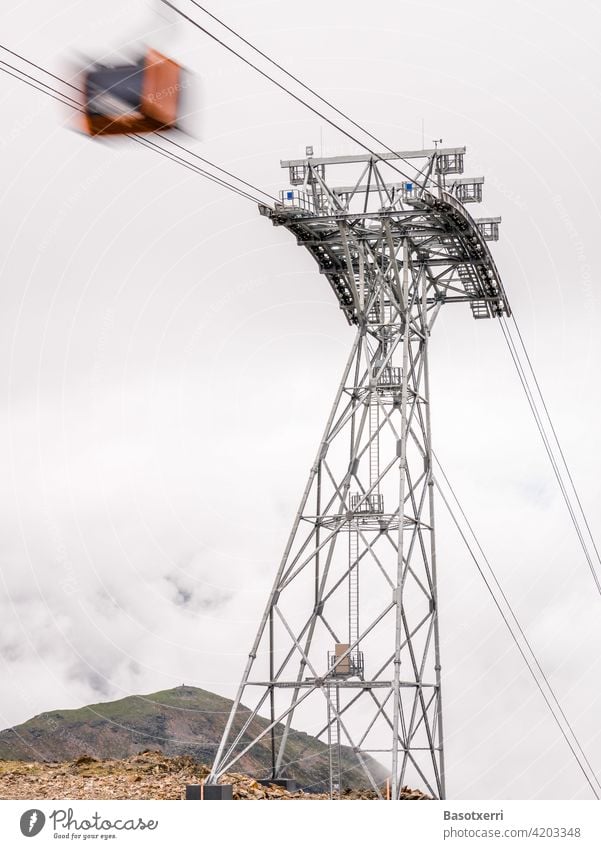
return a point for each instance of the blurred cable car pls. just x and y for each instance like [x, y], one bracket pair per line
[142, 97]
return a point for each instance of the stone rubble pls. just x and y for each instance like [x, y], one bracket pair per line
[148, 775]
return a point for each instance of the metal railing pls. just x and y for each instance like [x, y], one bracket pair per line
[373, 503]
[350, 666]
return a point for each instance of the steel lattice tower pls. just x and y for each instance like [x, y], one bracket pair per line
[349, 638]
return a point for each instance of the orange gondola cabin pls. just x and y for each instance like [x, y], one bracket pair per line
[137, 98]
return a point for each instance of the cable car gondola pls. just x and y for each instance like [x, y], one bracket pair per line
[142, 97]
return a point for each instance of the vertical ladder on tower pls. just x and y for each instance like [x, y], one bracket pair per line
[353, 589]
[334, 739]
[374, 442]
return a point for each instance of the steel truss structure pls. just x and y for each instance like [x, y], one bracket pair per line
[348, 644]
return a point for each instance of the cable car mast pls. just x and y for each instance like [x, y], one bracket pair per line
[352, 618]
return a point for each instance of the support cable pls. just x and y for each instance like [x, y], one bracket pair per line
[554, 432]
[549, 449]
[281, 86]
[219, 168]
[572, 746]
[18, 76]
[73, 103]
[144, 142]
[299, 81]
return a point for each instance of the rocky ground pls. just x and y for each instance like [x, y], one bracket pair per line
[149, 775]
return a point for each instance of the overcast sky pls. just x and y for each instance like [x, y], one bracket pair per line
[167, 360]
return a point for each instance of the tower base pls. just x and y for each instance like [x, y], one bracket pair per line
[209, 792]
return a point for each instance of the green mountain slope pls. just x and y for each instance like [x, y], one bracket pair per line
[182, 721]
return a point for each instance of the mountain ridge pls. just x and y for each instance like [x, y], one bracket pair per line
[184, 720]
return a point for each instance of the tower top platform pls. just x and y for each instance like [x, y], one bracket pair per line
[355, 228]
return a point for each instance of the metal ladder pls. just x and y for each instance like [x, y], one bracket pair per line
[353, 589]
[374, 441]
[334, 740]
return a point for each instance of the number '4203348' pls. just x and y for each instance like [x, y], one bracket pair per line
[547, 831]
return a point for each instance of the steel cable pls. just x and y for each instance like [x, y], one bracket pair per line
[281, 86]
[73, 103]
[299, 81]
[520, 629]
[555, 436]
[549, 449]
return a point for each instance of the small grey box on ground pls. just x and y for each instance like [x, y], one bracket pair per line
[217, 791]
[192, 791]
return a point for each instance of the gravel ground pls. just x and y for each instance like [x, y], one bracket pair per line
[149, 775]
